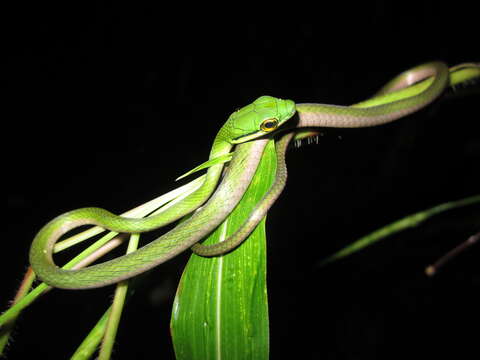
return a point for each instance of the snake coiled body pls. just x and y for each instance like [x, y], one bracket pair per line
[255, 120]
[405, 94]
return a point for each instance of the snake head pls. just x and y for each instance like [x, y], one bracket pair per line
[263, 116]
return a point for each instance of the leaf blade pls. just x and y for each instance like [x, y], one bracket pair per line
[221, 309]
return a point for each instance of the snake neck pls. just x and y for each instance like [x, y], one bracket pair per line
[221, 146]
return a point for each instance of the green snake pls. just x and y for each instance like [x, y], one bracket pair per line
[250, 122]
[245, 129]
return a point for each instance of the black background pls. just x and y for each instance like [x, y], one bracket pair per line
[107, 105]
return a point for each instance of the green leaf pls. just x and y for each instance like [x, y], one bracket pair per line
[220, 309]
[397, 226]
[218, 160]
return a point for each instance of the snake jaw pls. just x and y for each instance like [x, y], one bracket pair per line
[248, 137]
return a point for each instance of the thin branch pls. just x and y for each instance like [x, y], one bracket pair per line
[432, 269]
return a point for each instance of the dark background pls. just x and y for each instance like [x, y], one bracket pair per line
[107, 105]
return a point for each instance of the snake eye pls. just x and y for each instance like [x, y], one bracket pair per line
[269, 125]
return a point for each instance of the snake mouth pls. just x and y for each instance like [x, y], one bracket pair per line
[248, 137]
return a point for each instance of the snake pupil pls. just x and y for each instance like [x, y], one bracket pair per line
[269, 124]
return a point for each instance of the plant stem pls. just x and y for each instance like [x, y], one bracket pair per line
[25, 286]
[432, 269]
[86, 257]
[90, 344]
[116, 308]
